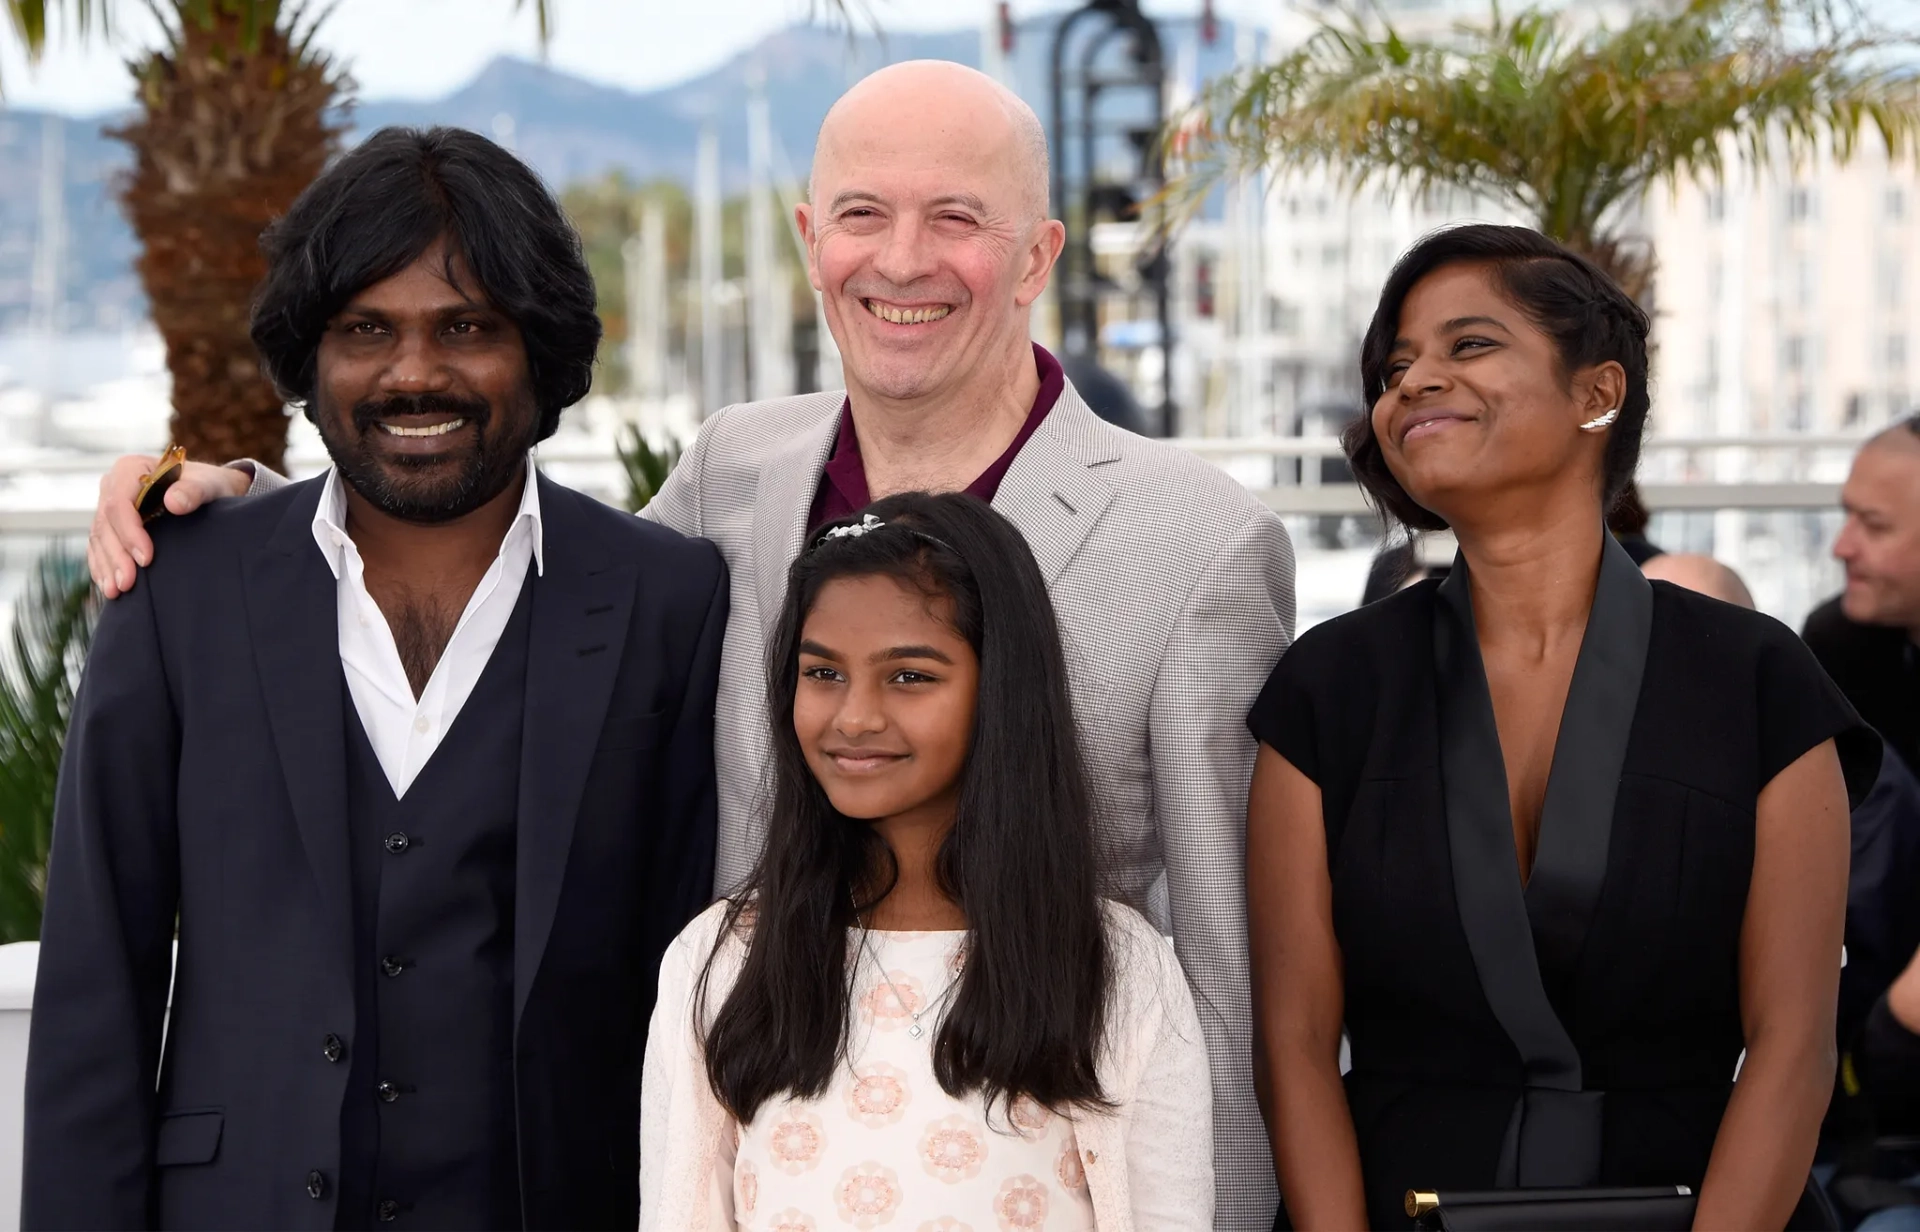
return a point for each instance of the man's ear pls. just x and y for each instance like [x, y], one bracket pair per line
[1043, 253]
[803, 219]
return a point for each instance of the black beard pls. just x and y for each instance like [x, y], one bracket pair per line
[428, 492]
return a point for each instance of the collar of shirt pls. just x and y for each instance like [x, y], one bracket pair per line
[402, 729]
[330, 524]
[843, 488]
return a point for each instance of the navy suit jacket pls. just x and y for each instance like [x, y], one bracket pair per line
[204, 781]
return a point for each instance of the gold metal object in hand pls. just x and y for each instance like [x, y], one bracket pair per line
[150, 499]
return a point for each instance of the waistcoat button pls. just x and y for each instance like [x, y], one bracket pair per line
[392, 966]
[333, 1049]
[316, 1185]
[388, 1209]
[387, 1092]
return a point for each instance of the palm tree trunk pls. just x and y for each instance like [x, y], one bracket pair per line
[234, 124]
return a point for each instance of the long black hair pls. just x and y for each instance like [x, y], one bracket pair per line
[374, 212]
[1030, 1009]
[1569, 298]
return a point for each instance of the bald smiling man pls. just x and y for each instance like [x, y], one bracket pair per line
[928, 241]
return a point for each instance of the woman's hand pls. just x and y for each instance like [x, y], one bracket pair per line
[118, 543]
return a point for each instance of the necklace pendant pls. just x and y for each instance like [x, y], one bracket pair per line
[915, 1031]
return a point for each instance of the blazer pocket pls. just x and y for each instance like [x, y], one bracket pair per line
[630, 735]
[191, 1137]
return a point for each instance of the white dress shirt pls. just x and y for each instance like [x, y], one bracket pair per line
[405, 730]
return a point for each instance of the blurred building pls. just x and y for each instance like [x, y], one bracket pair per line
[1781, 299]
[1784, 299]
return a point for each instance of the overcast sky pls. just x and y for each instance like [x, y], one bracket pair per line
[428, 48]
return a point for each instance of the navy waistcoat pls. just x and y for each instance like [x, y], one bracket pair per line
[428, 1135]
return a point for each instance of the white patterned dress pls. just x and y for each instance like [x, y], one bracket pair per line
[885, 1147]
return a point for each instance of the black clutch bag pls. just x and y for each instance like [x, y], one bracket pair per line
[1661, 1208]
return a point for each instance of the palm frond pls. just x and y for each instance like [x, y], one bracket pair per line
[1560, 122]
[28, 20]
[52, 627]
[543, 16]
[646, 468]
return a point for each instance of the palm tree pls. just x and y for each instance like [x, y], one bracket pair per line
[1566, 123]
[239, 111]
[53, 625]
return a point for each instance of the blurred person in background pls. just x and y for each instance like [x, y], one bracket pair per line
[1865, 637]
[1628, 519]
[1554, 844]
[929, 245]
[1413, 559]
[1701, 574]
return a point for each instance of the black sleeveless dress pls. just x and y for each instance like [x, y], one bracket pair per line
[1584, 1029]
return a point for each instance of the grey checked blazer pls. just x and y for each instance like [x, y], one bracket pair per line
[1174, 588]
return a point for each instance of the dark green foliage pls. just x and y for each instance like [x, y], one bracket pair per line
[52, 627]
[647, 468]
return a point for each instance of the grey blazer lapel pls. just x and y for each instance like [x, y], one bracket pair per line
[1054, 491]
[788, 480]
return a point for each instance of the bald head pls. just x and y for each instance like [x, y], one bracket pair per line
[1904, 435]
[941, 101]
[1703, 574]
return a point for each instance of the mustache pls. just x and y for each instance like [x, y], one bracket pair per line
[372, 410]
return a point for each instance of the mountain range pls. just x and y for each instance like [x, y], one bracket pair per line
[567, 128]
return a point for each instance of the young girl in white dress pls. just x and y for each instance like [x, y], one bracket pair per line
[919, 1014]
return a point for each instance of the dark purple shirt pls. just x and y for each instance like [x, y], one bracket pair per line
[843, 484]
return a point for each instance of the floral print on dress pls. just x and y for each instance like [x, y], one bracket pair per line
[1068, 1168]
[868, 1195]
[746, 1187]
[953, 1149]
[885, 1149]
[878, 1096]
[891, 1007]
[1030, 1118]
[1021, 1204]
[797, 1141]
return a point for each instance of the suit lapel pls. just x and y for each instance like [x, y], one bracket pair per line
[789, 478]
[1054, 491]
[293, 620]
[582, 604]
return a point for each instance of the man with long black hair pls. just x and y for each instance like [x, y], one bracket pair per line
[418, 755]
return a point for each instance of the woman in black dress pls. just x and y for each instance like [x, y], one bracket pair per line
[1552, 843]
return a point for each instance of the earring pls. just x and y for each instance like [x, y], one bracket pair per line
[1594, 425]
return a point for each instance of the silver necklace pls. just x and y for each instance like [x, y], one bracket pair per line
[914, 1029]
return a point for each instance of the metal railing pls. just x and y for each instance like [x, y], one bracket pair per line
[1676, 475]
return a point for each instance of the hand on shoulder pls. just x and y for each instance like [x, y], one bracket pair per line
[118, 545]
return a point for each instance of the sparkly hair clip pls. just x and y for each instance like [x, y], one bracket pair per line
[853, 530]
[866, 526]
